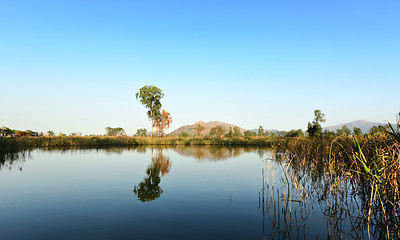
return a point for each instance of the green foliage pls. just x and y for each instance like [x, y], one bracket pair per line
[183, 134]
[314, 128]
[295, 133]
[148, 189]
[357, 131]
[281, 133]
[344, 131]
[236, 132]
[217, 132]
[142, 132]
[150, 97]
[51, 133]
[249, 133]
[375, 130]
[5, 131]
[260, 131]
[230, 133]
[329, 134]
[199, 129]
[118, 131]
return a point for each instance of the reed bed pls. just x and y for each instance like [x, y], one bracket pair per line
[363, 171]
[8, 144]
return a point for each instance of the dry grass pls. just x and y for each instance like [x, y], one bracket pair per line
[364, 168]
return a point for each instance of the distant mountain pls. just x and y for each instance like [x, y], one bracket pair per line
[364, 125]
[265, 130]
[207, 127]
[210, 153]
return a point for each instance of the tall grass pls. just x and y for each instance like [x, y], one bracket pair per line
[346, 167]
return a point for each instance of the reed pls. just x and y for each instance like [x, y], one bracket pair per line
[364, 168]
[8, 144]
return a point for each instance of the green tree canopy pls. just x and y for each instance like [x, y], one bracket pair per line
[328, 134]
[199, 129]
[5, 131]
[183, 134]
[230, 133]
[50, 133]
[357, 131]
[346, 130]
[260, 131]
[377, 129]
[314, 128]
[217, 132]
[295, 133]
[118, 131]
[142, 132]
[150, 97]
[149, 188]
[236, 132]
[249, 133]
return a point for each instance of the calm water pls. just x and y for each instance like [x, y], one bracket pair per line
[144, 193]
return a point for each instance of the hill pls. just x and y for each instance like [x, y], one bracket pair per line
[364, 125]
[207, 127]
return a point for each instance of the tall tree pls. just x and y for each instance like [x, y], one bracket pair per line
[314, 128]
[236, 132]
[260, 131]
[346, 130]
[357, 131]
[150, 97]
[199, 129]
[217, 131]
[163, 122]
[149, 188]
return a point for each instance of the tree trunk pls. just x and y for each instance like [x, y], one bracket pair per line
[151, 113]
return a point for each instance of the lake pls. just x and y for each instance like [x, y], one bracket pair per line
[170, 193]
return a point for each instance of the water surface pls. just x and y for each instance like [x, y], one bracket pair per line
[152, 193]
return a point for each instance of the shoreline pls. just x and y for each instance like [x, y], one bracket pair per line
[8, 144]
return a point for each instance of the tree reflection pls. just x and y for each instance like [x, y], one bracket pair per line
[149, 189]
[11, 159]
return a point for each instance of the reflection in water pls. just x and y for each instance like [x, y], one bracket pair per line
[284, 207]
[297, 197]
[149, 188]
[214, 153]
[14, 159]
[305, 192]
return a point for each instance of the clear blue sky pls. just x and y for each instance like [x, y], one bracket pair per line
[75, 66]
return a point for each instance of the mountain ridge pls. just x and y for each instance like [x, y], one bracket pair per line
[364, 125]
[207, 127]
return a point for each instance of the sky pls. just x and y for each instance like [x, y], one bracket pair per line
[75, 65]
